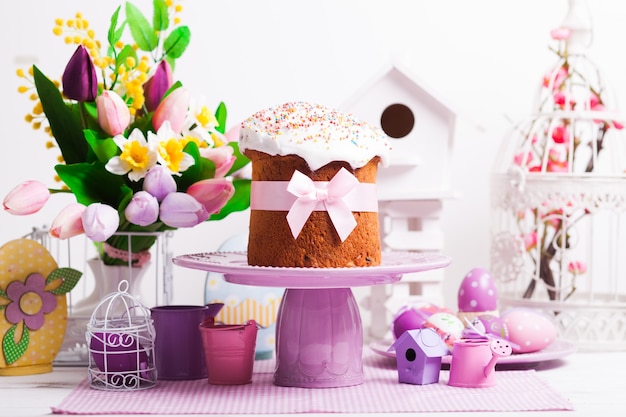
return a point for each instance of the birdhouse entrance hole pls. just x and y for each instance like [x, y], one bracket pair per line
[397, 120]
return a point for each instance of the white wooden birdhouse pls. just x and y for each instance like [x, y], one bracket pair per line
[421, 125]
[412, 188]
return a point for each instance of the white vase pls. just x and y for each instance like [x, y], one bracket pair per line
[107, 280]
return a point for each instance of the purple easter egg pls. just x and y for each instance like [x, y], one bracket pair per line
[122, 352]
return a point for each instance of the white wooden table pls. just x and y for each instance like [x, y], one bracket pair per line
[594, 382]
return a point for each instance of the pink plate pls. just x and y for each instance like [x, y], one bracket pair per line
[234, 266]
[557, 350]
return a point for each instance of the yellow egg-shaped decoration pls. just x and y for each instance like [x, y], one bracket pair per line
[32, 319]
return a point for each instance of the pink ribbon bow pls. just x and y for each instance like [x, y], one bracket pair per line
[330, 194]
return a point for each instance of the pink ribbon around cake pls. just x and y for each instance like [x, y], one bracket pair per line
[300, 196]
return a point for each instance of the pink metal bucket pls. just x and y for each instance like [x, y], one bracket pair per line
[229, 351]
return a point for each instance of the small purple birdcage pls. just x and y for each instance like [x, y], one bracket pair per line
[120, 337]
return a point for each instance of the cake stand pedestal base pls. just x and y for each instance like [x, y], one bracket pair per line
[319, 339]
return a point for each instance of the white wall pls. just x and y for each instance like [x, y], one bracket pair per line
[485, 56]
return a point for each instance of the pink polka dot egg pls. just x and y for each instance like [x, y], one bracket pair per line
[529, 329]
[477, 292]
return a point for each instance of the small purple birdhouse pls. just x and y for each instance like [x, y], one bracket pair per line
[418, 356]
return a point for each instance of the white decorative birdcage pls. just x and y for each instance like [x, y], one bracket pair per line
[82, 254]
[559, 200]
[120, 338]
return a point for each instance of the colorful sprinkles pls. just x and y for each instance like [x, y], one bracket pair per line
[305, 129]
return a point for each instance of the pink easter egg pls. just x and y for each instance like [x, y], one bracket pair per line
[477, 292]
[530, 330]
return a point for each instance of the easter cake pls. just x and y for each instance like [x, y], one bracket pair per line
[313, 198]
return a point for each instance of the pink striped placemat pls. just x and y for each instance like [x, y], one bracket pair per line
[518, 390]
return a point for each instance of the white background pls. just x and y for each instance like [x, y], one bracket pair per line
[487, 57]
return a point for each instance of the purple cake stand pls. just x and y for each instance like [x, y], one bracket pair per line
[319, 334]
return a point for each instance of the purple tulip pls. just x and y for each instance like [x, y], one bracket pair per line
[100, 221]
[182, 210]
[113, 113]
[26, 198]
[80, 82]
[174, 108]
[155, 88]
[143, 209]
[68, 223]
[159, 182]
[212, 193]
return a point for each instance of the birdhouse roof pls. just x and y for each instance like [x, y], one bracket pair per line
[388, 70]
[427, 340]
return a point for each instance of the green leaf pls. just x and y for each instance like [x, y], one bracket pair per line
[142, 32]
[220, 115]
[240, 161]
[160, 19]
[13, 351]
[143, 123]
[126, 52]
[238, 202]
[65, 125]
[201, 169]
[69, 277]
[177, 42]
[80, 178]
[103, 148]
[114, 35]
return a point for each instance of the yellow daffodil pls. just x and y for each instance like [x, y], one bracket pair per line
[169, 146]
[137, 156]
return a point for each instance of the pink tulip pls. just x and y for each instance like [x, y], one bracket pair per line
[577, 267]
[222, 157]
[143, 209]
[232, 134]
[100, 221]
[594, 102]
[182, 210]
[564, 100]
[523, 159]
[26, 198]
[159, 182]
[530, 241]
[173, 108]
[212, 193]
[68, 223]
[113, 113]
[561, 33]
[560, 134]
[155, 88]
[559, 78]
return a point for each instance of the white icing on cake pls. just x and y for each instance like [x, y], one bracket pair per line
[316, 133]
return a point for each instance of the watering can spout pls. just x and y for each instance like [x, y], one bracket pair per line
[213, 309]
[499, 349]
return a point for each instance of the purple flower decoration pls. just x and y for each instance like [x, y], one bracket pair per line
[29, 301]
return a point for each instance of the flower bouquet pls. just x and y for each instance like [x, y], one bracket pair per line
[138, 151]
